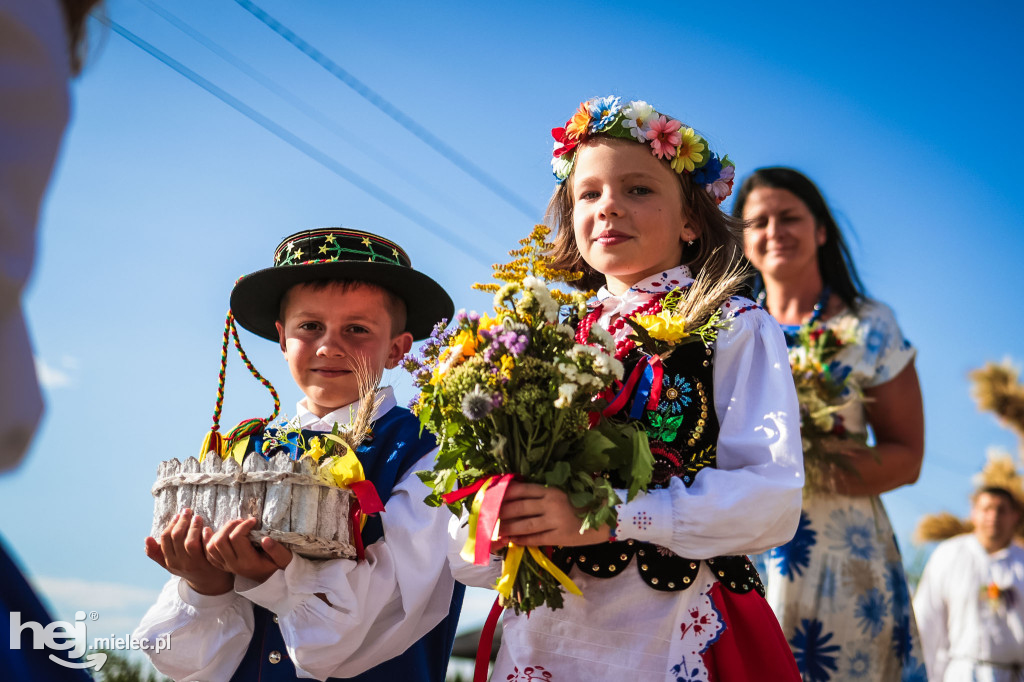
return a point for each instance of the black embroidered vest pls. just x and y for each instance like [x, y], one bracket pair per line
[683, 433]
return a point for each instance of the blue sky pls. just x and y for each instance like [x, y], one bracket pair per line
[904, 114]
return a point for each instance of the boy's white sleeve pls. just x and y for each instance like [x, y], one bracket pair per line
[375, 609]
[752, 500]
[206, 636]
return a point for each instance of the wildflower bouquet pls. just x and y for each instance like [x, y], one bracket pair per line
[513, 395]
[824, 389]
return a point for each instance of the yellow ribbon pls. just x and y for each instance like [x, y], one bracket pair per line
[511, 566]
[468, 552]
[342, 471]
[237, 450]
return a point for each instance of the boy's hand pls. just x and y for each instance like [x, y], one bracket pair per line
[180, 551]
[230, 549]
[535, 515]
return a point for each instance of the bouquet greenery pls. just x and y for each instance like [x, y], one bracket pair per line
[514, 395]
[824, 389]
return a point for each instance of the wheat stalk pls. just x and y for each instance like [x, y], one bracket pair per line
[706, 295]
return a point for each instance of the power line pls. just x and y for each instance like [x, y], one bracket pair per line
[297, 102]
[434, 142]
[298, 143]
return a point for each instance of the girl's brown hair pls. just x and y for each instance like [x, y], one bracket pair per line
[714, 253]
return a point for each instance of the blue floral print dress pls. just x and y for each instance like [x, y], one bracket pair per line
[838, 587]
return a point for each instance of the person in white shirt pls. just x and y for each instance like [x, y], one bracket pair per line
[970, 601]
[335, 300]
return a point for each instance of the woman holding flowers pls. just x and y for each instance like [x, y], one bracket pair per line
[665, 590]
[838, 587]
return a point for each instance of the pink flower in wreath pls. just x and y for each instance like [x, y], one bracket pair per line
[664, 136]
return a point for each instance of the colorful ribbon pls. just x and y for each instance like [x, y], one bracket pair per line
[511, 566]
[347, 471]
[483, 514]
[646, 378]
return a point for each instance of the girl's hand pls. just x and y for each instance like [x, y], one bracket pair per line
[230, 549]
[535, 515]
[180, 551]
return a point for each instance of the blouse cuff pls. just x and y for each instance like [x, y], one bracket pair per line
[285, 589]
[648, 518]
[198, 600]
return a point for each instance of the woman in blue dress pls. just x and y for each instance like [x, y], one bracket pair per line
[838, 587]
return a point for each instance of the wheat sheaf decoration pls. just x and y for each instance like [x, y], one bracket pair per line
[996, 388]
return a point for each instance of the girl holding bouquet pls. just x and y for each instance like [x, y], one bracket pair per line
[667, 591]
[838, 587]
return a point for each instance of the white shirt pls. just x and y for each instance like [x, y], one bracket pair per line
[34, 109]
[621, 628]
[379, 606]
[959, 625]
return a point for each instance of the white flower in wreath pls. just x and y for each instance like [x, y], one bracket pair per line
[637, 117]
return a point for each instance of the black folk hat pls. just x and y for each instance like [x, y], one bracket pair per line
[338, 253]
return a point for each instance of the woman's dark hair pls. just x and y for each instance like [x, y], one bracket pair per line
[76, 12]
[717, 247]
[834, 261]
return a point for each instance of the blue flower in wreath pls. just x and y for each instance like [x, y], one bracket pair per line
[870, 611]
[914, 671]
[795, 555]
[902, 639]
[675, 395]
[815, 657]
[852, 533]
[896, 583]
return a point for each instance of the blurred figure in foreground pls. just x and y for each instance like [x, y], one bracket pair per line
[39, 47]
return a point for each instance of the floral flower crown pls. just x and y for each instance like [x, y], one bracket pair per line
[685, 150]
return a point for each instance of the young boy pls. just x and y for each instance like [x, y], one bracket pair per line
[333, 299]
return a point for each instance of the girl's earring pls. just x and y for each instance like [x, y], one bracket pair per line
[689, 243]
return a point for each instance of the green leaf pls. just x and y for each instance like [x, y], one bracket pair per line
[559, 474]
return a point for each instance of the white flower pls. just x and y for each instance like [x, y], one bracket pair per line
[565, 394]
[561, 166]
[637, 119]
[566, 330]
[602, 336]
[617, 368]
[503, 293]
[584, 380]
[567, 370]
[548, 305]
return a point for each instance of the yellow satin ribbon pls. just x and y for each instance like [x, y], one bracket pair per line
[345, 470]
[511, 567]
[468, 552]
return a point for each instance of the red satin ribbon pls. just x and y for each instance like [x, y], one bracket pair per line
[619, 401]
[367, 502]
[456, 495]
[489, 508]
[659, 372]
[486, 643]
[488, 518]
[355, 518]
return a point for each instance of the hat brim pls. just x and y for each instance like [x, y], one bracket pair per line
[256, 298]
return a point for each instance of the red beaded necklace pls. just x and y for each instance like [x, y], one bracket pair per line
[623, 346]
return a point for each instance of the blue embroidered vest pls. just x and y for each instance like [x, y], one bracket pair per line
[683, 433]
[396, 445]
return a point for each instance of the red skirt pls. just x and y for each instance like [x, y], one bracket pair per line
[752, 646]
